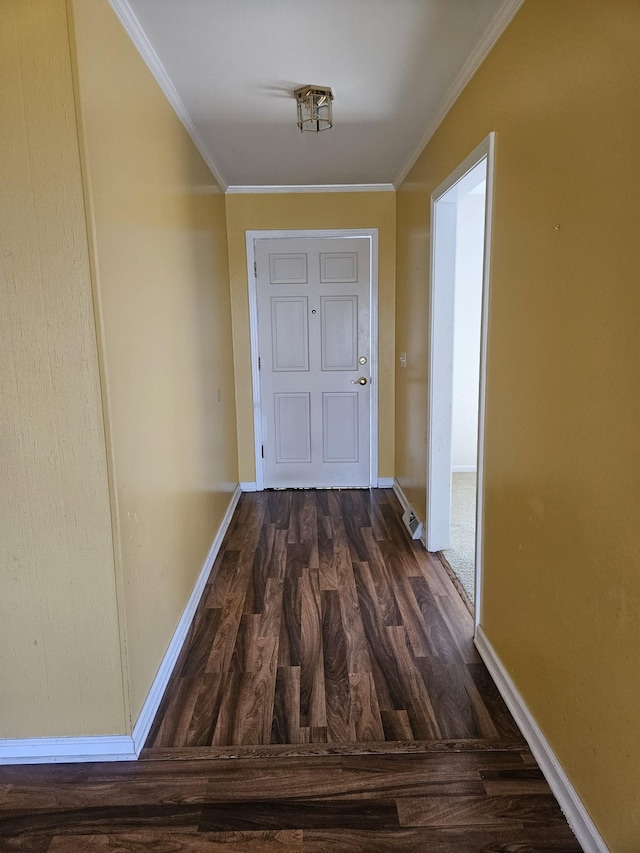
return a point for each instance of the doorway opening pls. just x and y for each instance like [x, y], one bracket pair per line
[460, 222]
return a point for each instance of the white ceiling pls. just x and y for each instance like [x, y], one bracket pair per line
[230, 67]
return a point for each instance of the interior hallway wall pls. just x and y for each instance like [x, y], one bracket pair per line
[561, 590]
[160, 265]
[299, 211]
[60, 664]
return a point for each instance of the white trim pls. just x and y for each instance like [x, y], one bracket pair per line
[251, 238]
[154, 697]
[397, 488]
[132, 26]
[464, 469]
[61, 750]
[311, 188]
[249, 486]
[489, 146]
[567, 796]
[498, 25]
[484, 151]
[386, 482]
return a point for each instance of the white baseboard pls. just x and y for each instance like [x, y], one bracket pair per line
[385, 482]
[154, 697]
[464, 469]
[397, 488]
[57, 750]
[249, 487]
[570, 803]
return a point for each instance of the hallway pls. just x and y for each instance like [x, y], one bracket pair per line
[331, 657]
[323, 623]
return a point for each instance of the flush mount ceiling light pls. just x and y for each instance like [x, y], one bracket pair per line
[314, 108]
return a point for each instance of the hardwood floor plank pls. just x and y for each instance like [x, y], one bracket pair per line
[146, 791]
[278, 565]
[226, 723]
[377, 637]
[411, 617]
[289, 642]
[458, 621]
[354, 517]
[203, 842]
[172, 817]
[254, 599]
[384, 587]
[221, 583]
[21, 844]
[421, 840]
[223, 645]
[205, 713]
[422, 717]
[313, 708]
[200, 645]
[451, 704]
[282, 501]
[298, 814]
[271, 615]
[285, 728]
[396, 725]
[378, 499]
[441, 643]
[328, 575]
[247, 523]
[358, 661]
[340, 723]
[501, 720]
[295, 518]
[365, 707]
[443, 811]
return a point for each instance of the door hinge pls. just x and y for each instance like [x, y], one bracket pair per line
[255, 269]
[263, 451]
[259, 364]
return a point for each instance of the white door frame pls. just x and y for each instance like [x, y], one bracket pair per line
[441, 363]
[258, 425]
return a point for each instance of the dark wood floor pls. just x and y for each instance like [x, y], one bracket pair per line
[324, 623]
[329, 697]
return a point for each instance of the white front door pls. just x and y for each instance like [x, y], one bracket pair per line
[313, 300]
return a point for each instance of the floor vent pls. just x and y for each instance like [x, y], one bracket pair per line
[412, 523]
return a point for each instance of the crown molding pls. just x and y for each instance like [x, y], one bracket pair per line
[311, 188]
[132, 26]
[499, 24]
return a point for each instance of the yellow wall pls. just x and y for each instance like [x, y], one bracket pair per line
[161, 278]
[60, 669]
[561, 547]
[299, 211]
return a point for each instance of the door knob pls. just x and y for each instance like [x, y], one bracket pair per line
[362, 380]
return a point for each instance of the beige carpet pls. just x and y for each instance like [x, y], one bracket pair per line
[461, 555]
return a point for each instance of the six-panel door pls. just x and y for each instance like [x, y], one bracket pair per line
[314, 334]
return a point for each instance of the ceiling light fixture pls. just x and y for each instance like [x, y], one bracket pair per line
[314, 108]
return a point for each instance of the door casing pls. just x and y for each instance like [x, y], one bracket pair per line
[258, 427]
[441, 366]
